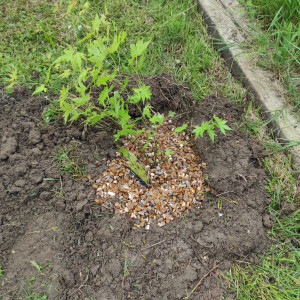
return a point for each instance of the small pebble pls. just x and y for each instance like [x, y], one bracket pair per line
[161, 224]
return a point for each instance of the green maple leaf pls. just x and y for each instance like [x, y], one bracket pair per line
[124, 151]
[75, 114]
[157, 118]
[211, 134]
[84, 75]
[104, 95]
[96, 23]
[81, 100]
[76, 60]
[65, 57]
[67, 108]
[65, 74]
[94, 118]
[40, 89]
[80, 88]
[97, 52]
[64, 92]
[221, 124]
[127, 129]
[125, 117]
[171, 114]
[71, 56]
[138, 49]
[118, 40]
[140, 93]
[143, 92]
[199, 130]
[146, 110]
[169, 152]
[181, 128]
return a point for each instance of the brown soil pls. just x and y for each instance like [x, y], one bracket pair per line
[83, 249]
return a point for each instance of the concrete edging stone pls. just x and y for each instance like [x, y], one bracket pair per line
[226, 20]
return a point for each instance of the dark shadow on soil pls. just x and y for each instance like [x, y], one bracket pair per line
[48, 218]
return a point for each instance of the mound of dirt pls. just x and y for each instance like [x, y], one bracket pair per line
[54, 239]
[167, 95]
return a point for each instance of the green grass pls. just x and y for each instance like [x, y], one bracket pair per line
[29, 293]
[69, 161]
[26, 290]
[278, 44]
[277, 277]
[35, 33]
[34, 36]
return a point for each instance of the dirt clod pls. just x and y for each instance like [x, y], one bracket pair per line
[89, 237]
[34, 136]
[9, 146]
[68, 278]
[288, 208]
[80, 205]
[268, 221]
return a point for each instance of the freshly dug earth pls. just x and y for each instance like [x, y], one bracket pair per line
[56, 240]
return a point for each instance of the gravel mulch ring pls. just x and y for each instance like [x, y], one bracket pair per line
[176, 181]
[87, 251]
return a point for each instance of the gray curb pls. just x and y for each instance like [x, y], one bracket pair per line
[225, 22]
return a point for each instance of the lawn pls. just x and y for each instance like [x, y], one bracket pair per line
[276, 39]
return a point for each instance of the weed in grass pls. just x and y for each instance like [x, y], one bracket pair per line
[274, 146]
[69, 162]
[53, 111]
[61, 193]
[28, 290]
[127, 264]
[2, 278]
[252, 121]
[37, 266]
[30, 294]
[1, 271]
